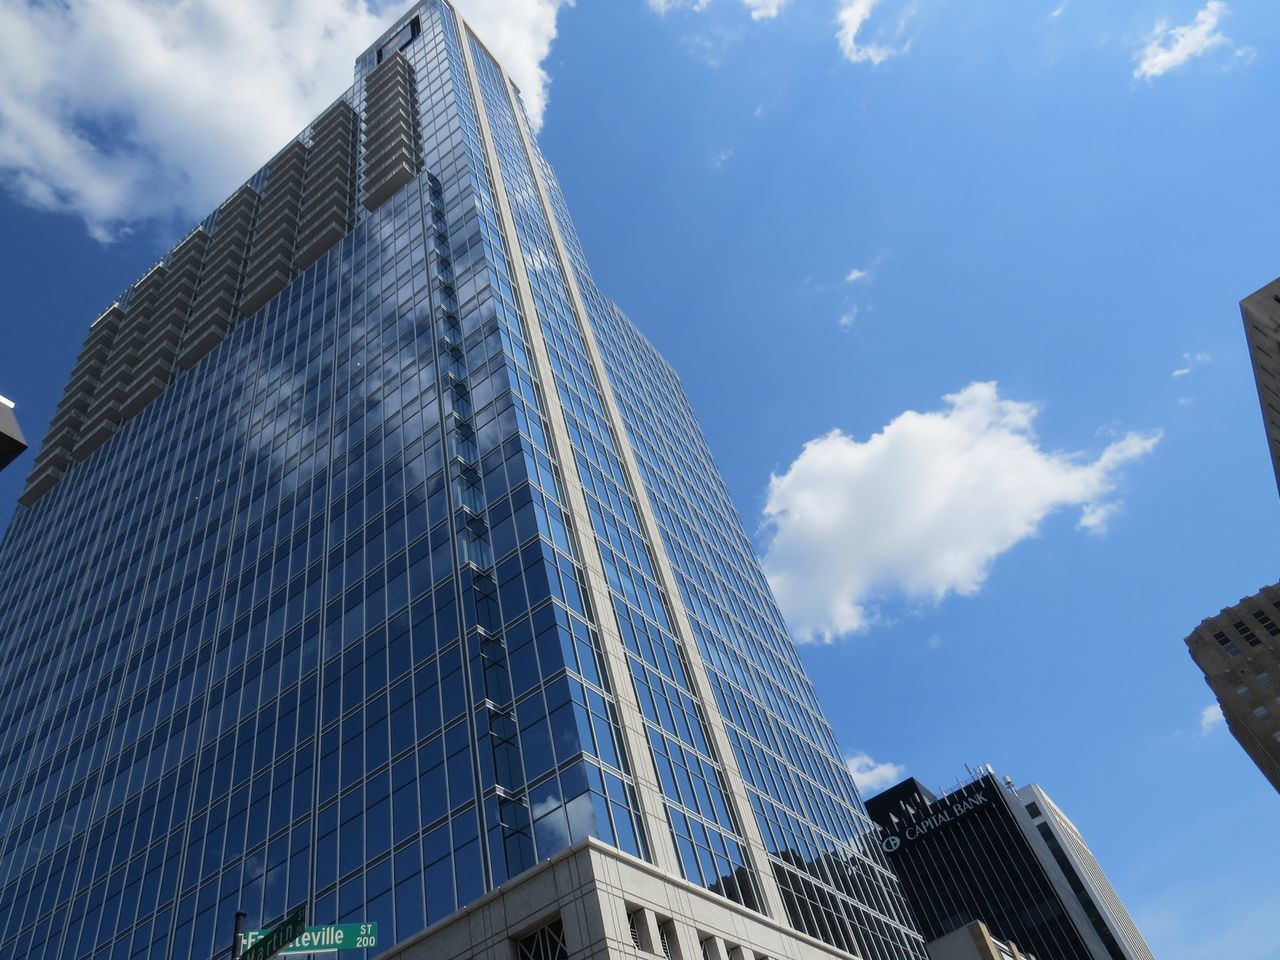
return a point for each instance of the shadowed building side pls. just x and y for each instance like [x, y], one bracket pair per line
[1261, 314]
[1238, 651]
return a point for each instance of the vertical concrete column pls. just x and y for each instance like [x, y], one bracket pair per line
[734, 783]
[647, 931]
[713, 949]
[643, 772]
[682, 942]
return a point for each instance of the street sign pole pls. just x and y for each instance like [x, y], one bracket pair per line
[272, 941]
[235, 937]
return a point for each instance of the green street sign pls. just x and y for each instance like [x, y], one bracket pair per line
[265, 944]
[336, 936]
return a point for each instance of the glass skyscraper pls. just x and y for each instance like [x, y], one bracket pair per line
[373, 557]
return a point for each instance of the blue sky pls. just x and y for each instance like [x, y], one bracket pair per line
[1041, 211]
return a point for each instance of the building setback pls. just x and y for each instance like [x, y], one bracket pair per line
[375, 563]
[1238, 651]
[1008, 858]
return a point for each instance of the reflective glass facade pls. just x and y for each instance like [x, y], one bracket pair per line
[420, 575]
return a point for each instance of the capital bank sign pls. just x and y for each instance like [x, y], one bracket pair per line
[949, 813]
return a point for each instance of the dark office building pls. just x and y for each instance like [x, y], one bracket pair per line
[375, 563]
[1009, 858]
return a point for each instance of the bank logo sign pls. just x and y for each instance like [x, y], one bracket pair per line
[953, 811]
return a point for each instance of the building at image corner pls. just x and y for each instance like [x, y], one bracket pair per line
[12, 442]
[1261, 314]
[375, 562]
[1238, 651]
[1009, 858]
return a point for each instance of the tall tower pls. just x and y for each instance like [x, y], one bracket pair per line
[375, 563]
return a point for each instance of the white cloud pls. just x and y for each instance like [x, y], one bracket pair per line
[851, 17]
[722, 157]
[118, 111]
[1170, 47]
[759, 9]
[765, 9]
[1211, 719]
[1094, 517]
[666, 6]
[869, 775]
[1245, 56]
[923, 508]
[856, 275]
[1190, 362]
[1060, 9]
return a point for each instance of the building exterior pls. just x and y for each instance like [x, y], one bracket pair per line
[973, 941]
[1089, 885]
[1261, 313]
[594, 901]
[1238, 650]
[1009, 858]
[374, 562]
[12, 443]
[1239, 653]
